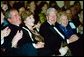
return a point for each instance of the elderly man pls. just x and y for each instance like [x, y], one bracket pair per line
[51, 37]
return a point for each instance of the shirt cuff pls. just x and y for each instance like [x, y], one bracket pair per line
[34, 45]
[67, 41]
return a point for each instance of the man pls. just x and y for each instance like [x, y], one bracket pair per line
[25, 46]
[14, 21]
[51, 37]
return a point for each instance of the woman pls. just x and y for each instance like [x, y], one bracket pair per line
[42, 14]
[28, 44]
[68, 30]
[67, 27]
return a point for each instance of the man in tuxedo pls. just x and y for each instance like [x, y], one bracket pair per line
[51, 37]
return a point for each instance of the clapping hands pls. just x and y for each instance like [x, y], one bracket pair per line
[5, 32]
[16, 38]
[39, 45]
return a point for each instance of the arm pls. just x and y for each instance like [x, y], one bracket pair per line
[73, 38]
[4, 33]
[51, 39]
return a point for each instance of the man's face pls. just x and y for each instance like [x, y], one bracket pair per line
[15, 18]
[52, 17]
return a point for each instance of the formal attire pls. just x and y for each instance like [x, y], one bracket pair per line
[24, 45]
[66, 31]
[76, 46]
[7, 40]
[51, 38]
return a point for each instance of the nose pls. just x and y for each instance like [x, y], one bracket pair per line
[53, 16]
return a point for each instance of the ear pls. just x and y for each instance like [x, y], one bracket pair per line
[9, 20]
[47, 17]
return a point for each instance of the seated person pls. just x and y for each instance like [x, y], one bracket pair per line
[32, 40]
[51, 38]
[68, 30]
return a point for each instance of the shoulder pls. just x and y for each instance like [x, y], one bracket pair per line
[45, 29]
[45, 25]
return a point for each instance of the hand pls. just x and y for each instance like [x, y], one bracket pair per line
[39, 45]
[16, 38]
[37, 25]
[5, 32]
[63, 50]
[73, 38]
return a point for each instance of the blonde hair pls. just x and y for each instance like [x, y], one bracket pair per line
[25, 14]
[60, 14]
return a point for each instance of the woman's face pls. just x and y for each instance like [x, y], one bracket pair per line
[29, 20]
[64, 20]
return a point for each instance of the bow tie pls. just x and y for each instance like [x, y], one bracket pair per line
[53, 25]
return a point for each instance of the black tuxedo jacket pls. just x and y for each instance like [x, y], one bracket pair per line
[51, 37]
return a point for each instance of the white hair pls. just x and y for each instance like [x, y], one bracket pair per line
[50, 10]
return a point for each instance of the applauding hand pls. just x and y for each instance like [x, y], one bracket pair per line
[16, 38]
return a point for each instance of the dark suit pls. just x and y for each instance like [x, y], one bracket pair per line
[24, 47]
[52, 39]
[8, 39]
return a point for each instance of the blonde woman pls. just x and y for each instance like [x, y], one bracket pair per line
[67, 27]
[68, 30]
